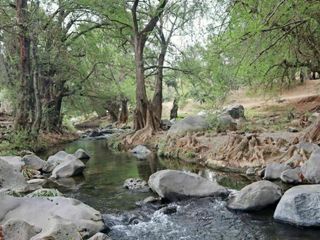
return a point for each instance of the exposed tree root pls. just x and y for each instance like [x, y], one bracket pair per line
[312, 133]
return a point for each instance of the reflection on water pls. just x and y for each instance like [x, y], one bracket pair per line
[101, 186]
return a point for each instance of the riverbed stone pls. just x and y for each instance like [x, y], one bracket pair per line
[189, 124]
[68, 168]
[311, 168]
[100, 236]
[226, 123]
[17, 229]
[135, 184]
[11, 177]
[175, 185]
[56, 159]
[81, 154]
[14, 161]
[33, 162]
[300, 206]
[250, 172]
[141, 152]
[273, 170]
[54, 216]
[292, 176]
[255, 196]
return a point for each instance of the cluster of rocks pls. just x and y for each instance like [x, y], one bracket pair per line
[298, 205]
[40, 213]
[102, 133]
[228, 119]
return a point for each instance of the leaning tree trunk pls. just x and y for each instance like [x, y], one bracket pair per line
[51, 121]
[25, 82]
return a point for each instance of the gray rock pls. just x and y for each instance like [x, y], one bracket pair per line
[226, 122]
[300, 206]
[165, 124]
[274, 170]
[141, 152]
[292, 176]
[255, 196]
[135, 184]
[81, 154]
[11, 177]
[56, 159]
[235, 111]
[99, 236]
[175, 185]
[293, 130]
[19, 230]
[33, 162]
[188, 124]
[311, 168]
[13, 161]
[261, 172]
[54, 216]
[68, 168]
[151, 199]
[250, 172]
[36, 183]
[307, 147]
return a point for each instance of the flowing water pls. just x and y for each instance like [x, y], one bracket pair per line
[102, 188]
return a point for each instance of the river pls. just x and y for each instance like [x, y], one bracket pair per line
[102, 188]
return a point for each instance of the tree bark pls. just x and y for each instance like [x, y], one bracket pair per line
[141, 94]
[174, 109]
[22, 116]
[123, 117]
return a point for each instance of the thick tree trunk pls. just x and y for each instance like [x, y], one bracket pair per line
[52, 120]
[112, 107]
[124, 113]
[158, 96]
[25, 84]
[141, 94]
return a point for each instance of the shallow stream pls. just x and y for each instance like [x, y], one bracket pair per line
[102, 188]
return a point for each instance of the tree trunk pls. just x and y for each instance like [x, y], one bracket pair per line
[25, 84]
[112, 107]
[158, 96]
[174, 109]
[52, 120]
[37, 96]
[141, 94]
[123, 117]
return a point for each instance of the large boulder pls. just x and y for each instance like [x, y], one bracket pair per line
[68, 168]
[300, 206]
[57, 217]
[175, 185]
[14, 161]
[81, 154]
[189, 124]
[34, 162]
[311, 168]
[292, 176]
[141, 152]
[11, 177]
[255, 196]
[56, 159]
[273, 170]
[17, 229]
